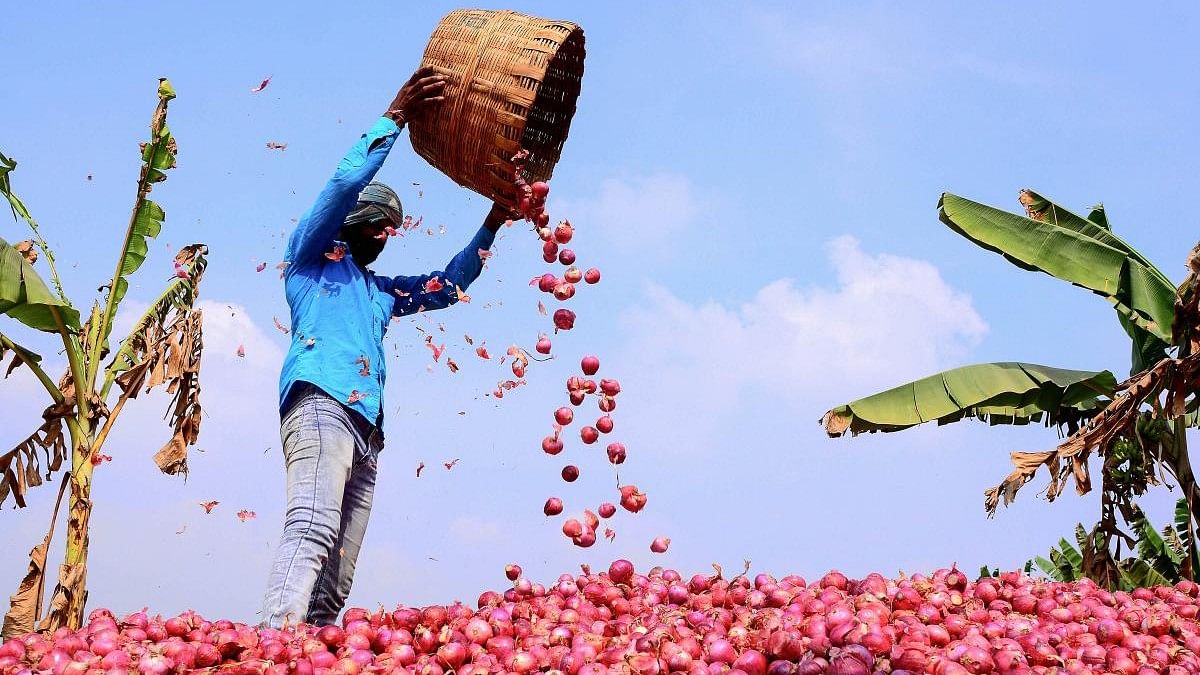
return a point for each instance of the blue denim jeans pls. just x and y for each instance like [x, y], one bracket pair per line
[331, 455]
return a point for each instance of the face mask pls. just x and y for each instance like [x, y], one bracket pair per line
[363, 245]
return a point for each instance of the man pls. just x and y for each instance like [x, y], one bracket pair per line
[331, 387]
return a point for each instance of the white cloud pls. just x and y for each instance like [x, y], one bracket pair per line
[227, 326]
[637, 213]
[886, 319]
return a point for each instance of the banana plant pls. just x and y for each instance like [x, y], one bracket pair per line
[1137, 425]
[162, 348]
[1158, 558]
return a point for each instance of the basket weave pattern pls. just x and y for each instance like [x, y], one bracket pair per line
[513, 83]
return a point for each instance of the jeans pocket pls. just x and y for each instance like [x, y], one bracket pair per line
[300, 430]
[369, 455]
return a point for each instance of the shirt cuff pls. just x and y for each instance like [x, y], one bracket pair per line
[383, 128]
[484, 238]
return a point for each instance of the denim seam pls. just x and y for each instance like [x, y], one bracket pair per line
[316, 486]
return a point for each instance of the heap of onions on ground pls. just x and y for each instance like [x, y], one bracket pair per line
[620, 621]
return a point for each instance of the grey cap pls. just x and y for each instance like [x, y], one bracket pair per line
[377, 199]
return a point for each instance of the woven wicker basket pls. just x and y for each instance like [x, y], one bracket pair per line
[514, 80]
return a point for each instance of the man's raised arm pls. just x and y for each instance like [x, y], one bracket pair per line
[317, 229]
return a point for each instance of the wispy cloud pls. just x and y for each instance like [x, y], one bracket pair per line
[883, 319]
[227, 325]
[638, 214]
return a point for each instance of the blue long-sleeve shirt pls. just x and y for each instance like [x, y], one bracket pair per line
[340, 311]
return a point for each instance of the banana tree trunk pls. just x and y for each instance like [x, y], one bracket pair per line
[70, 594]
[1187, 484]
[1183, 470]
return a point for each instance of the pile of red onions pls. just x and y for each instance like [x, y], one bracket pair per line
[619, 621]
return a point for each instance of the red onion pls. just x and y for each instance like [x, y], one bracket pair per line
[120, 659]
[552, 445]
[631, 499]
[451, 655]
[721, 650]
[844, 664]
[512, 571]
[752, 662]
[563, 232]
[564, 319]
[154, 664]
[835, 579]
[332, 636]
[620, 571]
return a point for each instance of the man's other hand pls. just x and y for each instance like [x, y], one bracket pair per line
[498, 216]
[422, 92]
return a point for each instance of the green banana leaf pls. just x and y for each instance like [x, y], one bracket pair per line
[1137, 573]
[1151, 546]
[1065, 563]
[1080, 251]
[999, 393]
[1147, 347]
[1096, 215]
[1095, 226]
[1074, 556]
[6, 167]
[158, 156]
[20, 212]
[1050, 569]
[25, 297]
[1183, 529]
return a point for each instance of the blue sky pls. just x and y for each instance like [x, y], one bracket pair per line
[757, 182]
